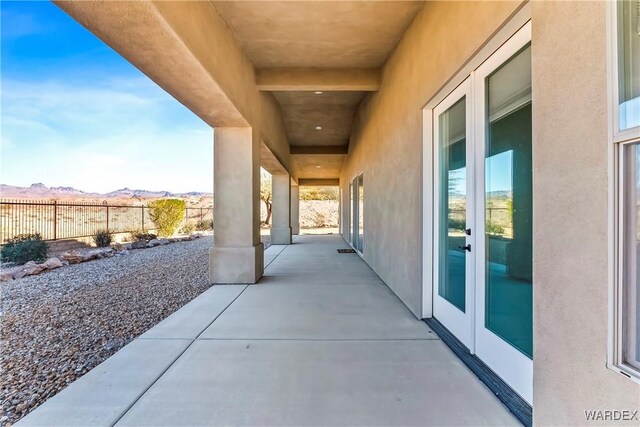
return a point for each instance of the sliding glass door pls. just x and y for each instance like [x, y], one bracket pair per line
[483, 213]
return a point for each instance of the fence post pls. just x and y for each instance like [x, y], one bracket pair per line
[201, 215]
[55, 220]
[107, 206]
[142, 217]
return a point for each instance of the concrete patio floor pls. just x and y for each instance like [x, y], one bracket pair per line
[321, 340]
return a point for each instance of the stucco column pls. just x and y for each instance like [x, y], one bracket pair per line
[237, 254]
[295, 209]
[280, 209]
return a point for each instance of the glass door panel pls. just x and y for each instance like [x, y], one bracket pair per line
[504, 219]
[508, 204]
[453, 299]
[452, 148]
[353, 191]
[360, 245]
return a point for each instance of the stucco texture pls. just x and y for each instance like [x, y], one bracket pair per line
[570, 152]
[386, 143]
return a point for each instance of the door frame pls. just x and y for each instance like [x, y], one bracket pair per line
[519, 19]
[461, 324]
[508, 362]
[354, 212]
[513, 36]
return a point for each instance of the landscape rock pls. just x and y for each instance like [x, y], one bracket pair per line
[139, 244]
[29, 269]
[153, 242]
[72, 257]
[52, 263]
[55, 326]
[6, 276]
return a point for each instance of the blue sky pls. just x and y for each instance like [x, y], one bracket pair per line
[74, 113]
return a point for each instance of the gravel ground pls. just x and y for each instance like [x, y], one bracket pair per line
[60, 324]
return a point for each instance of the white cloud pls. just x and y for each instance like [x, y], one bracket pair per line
[115, 133]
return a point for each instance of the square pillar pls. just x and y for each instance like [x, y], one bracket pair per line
[237, 253]
[295, 209]
[280, 209]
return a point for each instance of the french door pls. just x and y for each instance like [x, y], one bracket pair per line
[356, 194]
[482, 153]
[453, 302]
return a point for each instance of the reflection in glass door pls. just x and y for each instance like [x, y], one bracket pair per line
[504, 264]
[453, 301]
[508, 204]
[483, 212]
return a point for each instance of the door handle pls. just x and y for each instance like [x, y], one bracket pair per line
[465, 248]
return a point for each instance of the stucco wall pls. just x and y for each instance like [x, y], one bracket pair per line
[387, 139]
[571, 179]
[570, 151]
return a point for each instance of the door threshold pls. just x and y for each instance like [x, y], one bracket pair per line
[509, 398]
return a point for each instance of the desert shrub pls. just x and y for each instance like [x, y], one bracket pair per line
[318, 193]
[102, 238]
[188, 228]
[167, 214]
[24, 248]
[494, 229]
[204, 225]
[320, 220]
[142, 235]
[457, 224]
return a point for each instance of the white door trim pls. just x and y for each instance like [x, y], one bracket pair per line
[458, 322]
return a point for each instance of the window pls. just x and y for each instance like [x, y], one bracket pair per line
[629, 63]
[625, 75]
[630, 325]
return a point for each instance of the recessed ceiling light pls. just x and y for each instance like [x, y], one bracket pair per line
[318, 127]
[318, 92]
[318, 166]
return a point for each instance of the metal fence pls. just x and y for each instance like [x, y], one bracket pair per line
[55, 220]
[498, 221]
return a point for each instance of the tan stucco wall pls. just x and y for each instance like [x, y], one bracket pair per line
[570, 151]
[571, 181]
[387, 139]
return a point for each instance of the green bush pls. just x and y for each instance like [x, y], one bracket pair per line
[102, 238]
[457, 224]
[167, 214]
[24, 248]
[318, 193]
[494, 229]
[188, 228]
[204, 225]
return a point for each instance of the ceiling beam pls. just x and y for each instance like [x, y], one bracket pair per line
[319, 149]
[314, 79]
[322, 182]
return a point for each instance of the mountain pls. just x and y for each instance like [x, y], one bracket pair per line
[41, 191]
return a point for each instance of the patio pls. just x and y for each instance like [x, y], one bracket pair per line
[320, 340]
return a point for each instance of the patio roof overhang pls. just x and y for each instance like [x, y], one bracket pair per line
[295, 71]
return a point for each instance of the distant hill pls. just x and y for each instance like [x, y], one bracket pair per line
[41, 191]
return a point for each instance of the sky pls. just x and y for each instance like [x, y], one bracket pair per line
[74, 113]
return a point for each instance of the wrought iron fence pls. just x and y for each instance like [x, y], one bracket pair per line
[55, 220]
